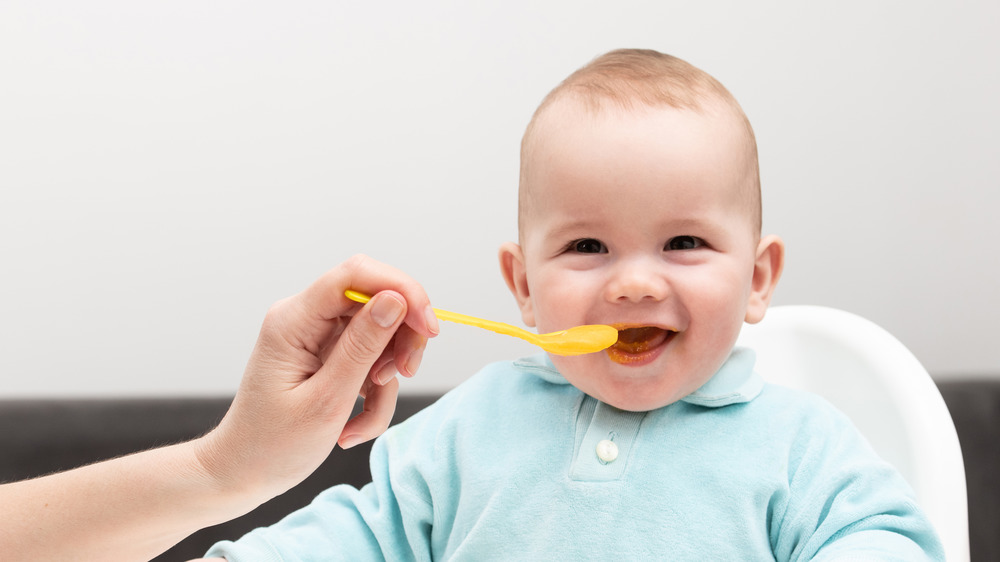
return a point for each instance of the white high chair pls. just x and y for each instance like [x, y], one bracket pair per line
[870, 376]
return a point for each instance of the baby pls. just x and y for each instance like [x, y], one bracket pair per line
[639, 208]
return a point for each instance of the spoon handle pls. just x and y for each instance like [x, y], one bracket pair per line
[498, 327]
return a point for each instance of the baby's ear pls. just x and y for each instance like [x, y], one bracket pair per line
[766, 272]
[515, 274]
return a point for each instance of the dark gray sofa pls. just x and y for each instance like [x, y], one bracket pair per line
[41, 436]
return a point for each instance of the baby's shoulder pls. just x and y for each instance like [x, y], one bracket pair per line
[800, 411]
[501, 390]
[527, 379]
[502, 401]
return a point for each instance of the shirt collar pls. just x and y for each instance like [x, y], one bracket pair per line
[734, 383]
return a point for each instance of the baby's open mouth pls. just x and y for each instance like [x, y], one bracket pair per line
[633, 343]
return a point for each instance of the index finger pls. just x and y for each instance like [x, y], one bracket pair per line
[325, 299]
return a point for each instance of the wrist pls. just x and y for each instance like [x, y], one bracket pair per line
[227, 476]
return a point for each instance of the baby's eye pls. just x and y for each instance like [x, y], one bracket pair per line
[588, 246]
[684, 243]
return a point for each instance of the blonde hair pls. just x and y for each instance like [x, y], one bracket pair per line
[626, 78]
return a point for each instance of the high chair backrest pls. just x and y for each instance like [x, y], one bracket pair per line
[870, 376]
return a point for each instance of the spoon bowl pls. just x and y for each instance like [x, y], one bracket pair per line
[573, 341]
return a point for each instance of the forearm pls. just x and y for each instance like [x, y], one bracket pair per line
[129, 508]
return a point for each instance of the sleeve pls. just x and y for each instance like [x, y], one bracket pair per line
[385, 520]
[846, 503]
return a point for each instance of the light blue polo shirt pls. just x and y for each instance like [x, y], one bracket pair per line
[516, 463]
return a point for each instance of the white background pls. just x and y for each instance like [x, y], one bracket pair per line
[169, 169]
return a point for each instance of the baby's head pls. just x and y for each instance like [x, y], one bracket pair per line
[639, 207]
[633, 80]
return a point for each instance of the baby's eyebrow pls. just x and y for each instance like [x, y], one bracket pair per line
[689, 223]
[571, 228]
[701, 225]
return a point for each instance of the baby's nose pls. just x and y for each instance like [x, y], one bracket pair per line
[636, 281]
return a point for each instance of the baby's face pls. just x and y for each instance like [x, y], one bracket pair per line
[635, 220]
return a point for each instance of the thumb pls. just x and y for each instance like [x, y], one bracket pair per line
[363, 341]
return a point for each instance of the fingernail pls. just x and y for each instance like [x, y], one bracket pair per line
[413, 361]
[385, 374]
[387, 310]
[350, 441]
[432, 320]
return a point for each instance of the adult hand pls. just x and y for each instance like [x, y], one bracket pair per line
[317, 351]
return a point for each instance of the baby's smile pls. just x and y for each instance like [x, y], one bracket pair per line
[638, 344]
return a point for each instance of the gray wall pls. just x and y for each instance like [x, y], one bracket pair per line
[168, 170]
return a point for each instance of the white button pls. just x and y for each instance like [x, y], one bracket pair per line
[607, 451]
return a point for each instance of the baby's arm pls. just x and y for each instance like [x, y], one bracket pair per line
[844, 501]
[316, 352]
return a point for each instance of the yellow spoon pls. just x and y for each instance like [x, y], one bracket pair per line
[574, 341]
